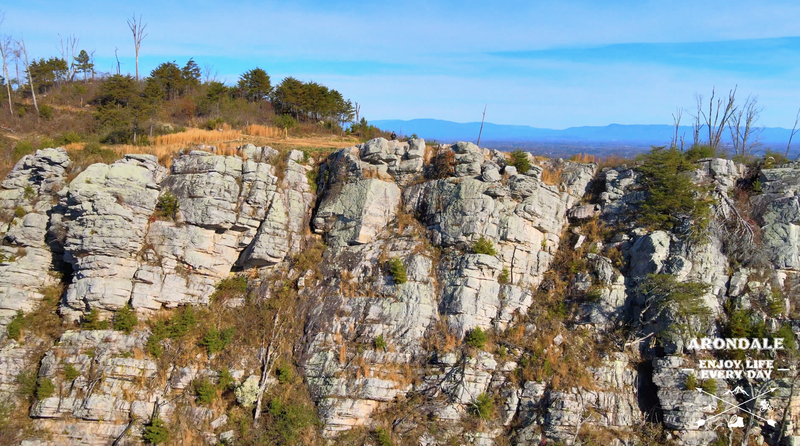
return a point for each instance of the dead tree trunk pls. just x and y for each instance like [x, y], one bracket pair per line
[794, 131]
[5, 45]
[137, 29]
[267, 363]
[21, 45]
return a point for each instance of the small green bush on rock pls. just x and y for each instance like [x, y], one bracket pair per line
[484, 246]
[398, 271]
[205, 391]
[504, 276]
[92, 321]
[709, 386]
[167, 205]
[379, 343]
[156, 432]
[483, 407]
[70, 373]
[125, 319]
[216, 340]
[14, 328]
[383, 437]
[519, 159]
[691, 383]
[476, 338]
[45, 389]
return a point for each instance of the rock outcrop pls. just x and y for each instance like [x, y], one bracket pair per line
[434, 294]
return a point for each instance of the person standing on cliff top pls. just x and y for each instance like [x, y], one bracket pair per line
[394, 136]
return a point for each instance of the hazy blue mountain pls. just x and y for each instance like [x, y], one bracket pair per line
[646, 135]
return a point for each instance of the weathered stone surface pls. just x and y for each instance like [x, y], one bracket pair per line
[648, 254]
[108, 208]
[358, 212]
[26, 201]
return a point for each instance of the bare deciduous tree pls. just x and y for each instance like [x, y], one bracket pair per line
[21, 46]
[137, 29]
[5, 47]
[718, 116]
[67, 50]
[676, 138]
[794, 132]
[744, 133]
[209, 73]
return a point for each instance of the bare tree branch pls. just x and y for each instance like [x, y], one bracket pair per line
[137, 29]
[744, 134]
[5, 47]
[794, 131]
[718, 116]
[21, 45]
[676, 118]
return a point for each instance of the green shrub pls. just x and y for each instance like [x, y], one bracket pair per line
[594, 293]
[789, 342]
[484, 246]
[311, 176]
[125, 319]
[504, 277]
[757, 186]
[709, 386]
[284, 373]
[156, 432]
[230, 287]
[205, 391]
[680, 303]
[92, 321]
[225, 380]
[92, 153]
[22, 148]
[284, 121]
[691, 383]
[288, 420]
[502, 351]
[167, 205]
[379, 343]
[216, 340]
[69, 138]
[776, 307]
[178, 326]
[45, 389]
[70, 372]
[519, 159]
[26, 384]
[773, 159]
[699, 152]
[476, 338]
[45, 112]
[20, 212]
[671, 194]
[28, 192]
[398, 271]
[182, 323]
[383, 437]
[14, 328]
[154, 346]
[483, 407]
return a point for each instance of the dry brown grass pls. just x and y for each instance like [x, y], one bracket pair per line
[264, 131]
[198, 136]
[583, 158]
[551, 176]
[613, 161]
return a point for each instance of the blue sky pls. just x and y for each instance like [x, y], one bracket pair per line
[550, 64]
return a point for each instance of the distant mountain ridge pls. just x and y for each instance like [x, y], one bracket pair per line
[638, 134]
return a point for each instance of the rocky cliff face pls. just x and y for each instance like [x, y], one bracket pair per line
[401, 292]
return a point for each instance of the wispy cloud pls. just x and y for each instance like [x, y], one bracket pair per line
[548, 64]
